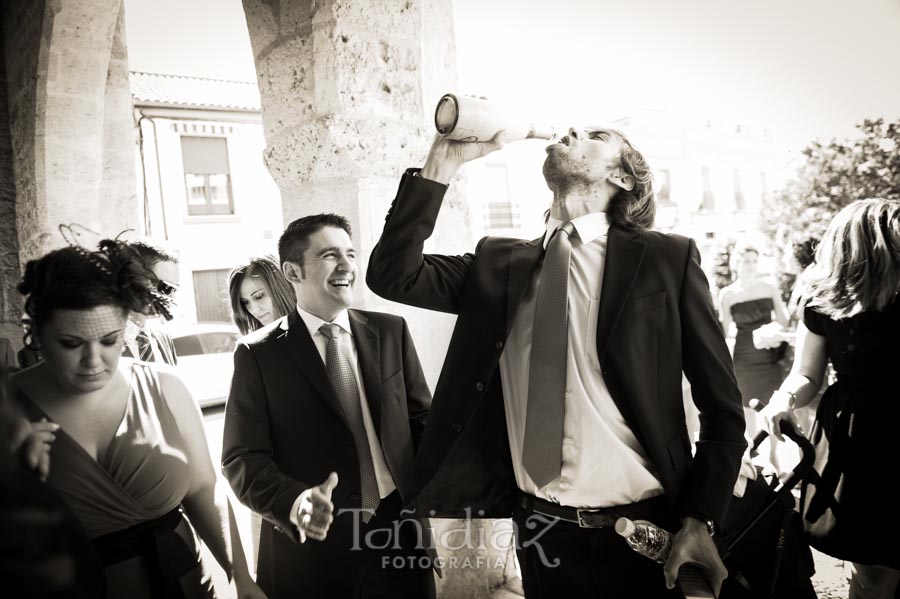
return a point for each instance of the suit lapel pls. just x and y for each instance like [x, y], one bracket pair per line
[301, 348]
[523, 259]
[624, 253]
[368, 347]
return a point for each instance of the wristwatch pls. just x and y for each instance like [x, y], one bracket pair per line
[711, 526]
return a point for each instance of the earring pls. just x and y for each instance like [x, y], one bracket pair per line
[31, 342]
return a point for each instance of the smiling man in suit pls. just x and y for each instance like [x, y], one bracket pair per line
[560, 400]
[326, 408]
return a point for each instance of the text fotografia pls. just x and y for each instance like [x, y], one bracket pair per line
[423, 562]
[463, 537]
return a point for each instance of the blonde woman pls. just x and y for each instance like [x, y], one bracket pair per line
[852, 318]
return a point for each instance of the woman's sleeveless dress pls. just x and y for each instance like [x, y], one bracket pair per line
[129, 502]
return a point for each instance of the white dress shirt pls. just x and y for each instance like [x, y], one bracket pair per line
[602, 462]
[313, 323]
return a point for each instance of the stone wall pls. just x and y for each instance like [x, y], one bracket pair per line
[9, 238]
[24, 48]
[70, 119]
[70, 154]
[119, 206]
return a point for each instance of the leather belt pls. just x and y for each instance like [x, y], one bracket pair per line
[604, 517]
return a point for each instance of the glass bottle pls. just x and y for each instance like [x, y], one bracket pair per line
[464, 118]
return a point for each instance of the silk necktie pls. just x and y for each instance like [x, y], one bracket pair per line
[542, 448]
[145, 349]
[340, 374]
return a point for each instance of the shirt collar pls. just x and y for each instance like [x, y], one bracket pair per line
[588, 226]
[314, 323]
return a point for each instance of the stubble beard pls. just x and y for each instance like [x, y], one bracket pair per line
[562, 178]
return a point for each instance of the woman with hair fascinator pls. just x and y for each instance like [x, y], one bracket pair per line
[130, 456]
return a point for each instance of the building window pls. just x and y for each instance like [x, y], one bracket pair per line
[500, 212]
[709, 200]
[211, 295]
[207, 177]
[740, 202]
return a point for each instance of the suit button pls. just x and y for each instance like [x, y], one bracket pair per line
[479, 386]
[499, 345]
[354, 498]
[457, 427]
[351, 449]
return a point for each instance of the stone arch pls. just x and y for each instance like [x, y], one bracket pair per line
[70, 127]
[70, 117]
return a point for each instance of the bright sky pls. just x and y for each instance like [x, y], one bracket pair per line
[801, 68]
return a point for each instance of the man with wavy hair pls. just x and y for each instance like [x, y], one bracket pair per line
[560, 400]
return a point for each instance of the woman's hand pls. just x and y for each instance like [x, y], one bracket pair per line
[33, 440]
[780, 409]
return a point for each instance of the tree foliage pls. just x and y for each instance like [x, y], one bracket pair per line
[834, 174]
[722, 275]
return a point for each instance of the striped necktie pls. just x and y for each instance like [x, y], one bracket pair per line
[340, 374]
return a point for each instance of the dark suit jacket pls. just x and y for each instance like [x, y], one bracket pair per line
[655, 321]
[285, 432]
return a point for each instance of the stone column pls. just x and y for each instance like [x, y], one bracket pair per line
[70, 118]
[348, 91]
[10, 303]
[119, 206]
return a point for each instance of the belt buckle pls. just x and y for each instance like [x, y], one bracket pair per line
[581, 512]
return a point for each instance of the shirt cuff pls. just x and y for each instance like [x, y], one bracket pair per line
[295, 516]
[417, 174]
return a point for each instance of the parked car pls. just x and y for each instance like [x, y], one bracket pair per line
[205, 360]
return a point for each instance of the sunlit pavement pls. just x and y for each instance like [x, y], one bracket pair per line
[213, 423]
[830, 580]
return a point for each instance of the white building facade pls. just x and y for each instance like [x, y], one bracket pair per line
[205, 187]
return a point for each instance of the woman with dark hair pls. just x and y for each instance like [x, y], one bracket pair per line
[751, 303]
[130, 457]
[259, 294]
[852, 318]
